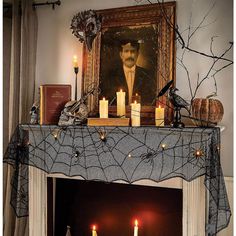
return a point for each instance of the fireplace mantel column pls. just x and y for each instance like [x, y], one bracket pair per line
[37, 202]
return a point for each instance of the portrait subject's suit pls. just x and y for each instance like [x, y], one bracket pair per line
[144, 85]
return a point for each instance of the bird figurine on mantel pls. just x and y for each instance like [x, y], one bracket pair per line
[178, 103]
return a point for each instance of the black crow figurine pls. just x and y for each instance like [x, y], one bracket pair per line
[178, 103]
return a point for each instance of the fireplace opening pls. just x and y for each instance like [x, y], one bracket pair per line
[114, 207]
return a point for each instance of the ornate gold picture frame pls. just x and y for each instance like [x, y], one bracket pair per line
[153, 22]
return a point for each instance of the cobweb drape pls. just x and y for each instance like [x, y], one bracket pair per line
[121, 153]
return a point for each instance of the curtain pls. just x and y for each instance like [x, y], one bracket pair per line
[18, 98]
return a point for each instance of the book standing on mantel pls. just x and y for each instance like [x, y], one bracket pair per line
[53, 98]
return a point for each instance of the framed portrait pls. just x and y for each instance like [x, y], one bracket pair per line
[134, 52]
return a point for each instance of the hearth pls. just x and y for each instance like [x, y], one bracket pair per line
[113, 208]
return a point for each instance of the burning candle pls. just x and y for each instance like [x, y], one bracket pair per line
[159, 116]
[94, 232]
[136, 228]
[75, 61]
[103, 108]
[120, 103]
[135, 113]
[137, 98]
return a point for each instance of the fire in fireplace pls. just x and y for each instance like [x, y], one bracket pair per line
[113, 209]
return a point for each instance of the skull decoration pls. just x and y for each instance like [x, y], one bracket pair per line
[85, 26]
[34, 113]
[76, 112]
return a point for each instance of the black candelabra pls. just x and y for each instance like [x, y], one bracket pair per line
[76, 70]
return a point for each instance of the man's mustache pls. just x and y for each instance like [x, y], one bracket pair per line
[130, 59]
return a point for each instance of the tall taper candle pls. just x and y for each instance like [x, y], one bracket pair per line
[136, 228]
[94, 232]
[76, 70]
[120, 103]
[103, 108]
[135, 113]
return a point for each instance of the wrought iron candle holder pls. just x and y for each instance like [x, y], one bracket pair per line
[76, 70]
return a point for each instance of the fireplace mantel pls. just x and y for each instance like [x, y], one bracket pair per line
[145, 155]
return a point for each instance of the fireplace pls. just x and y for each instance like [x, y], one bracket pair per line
[114, 207]
[193, 204]
[43, 163]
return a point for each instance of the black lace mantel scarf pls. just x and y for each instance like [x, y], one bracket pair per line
[121, 153]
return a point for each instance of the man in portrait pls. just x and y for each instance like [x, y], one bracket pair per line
[129, 77]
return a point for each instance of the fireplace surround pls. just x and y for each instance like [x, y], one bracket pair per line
[146, 155]
[114, 207]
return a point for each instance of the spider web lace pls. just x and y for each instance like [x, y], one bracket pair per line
[123, 153]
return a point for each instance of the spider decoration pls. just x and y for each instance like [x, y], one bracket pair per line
[76, 154]
[56, 133]
[198, 153]
[106, 142]
[196, 156]
[148, 157]
[102, 135]
[22, 150]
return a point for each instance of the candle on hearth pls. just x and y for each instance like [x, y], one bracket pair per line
[159, 116]
[75, 61]
[94, 232]
[103, 108]
[120, 103]
[136, 228]
[135, 113]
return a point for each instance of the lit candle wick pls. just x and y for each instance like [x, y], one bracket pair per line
[75, 61]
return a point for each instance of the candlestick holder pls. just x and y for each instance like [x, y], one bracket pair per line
[76, 70]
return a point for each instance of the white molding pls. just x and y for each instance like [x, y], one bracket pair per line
[37, 202]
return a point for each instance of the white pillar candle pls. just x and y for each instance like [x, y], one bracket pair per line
[103, 108]
[135, 113]
[94, 232]
[159, 116]
[120, 103]
[136, 228]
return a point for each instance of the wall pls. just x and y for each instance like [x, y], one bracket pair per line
[56, 47]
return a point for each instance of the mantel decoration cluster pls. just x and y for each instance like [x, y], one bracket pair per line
[96, 24]
[164, 150]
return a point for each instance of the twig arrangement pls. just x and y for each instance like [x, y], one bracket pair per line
[218, 62]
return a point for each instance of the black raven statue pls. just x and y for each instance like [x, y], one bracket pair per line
[178, 103]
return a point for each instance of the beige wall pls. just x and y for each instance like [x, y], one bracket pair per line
[56, 47]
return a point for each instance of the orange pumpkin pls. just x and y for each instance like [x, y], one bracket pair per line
[207, 112]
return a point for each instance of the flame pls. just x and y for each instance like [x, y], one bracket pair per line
[94, 227]
[103, 99]
[135, 102]
[159, 106]
[136, 222]
[121, 90]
